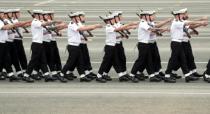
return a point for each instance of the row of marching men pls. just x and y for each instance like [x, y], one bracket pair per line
[45, 55]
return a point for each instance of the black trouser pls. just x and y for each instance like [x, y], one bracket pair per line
[144, 59]
[120, 56]
[208, 68]
[38, 58]
[48, 54]
[21, 55]
[189, 56]
[5, 60]
[13, 55]
[109, 58]
[56, 60]
[86, 56]
[75, 60]
[177, 58]
[155, 58]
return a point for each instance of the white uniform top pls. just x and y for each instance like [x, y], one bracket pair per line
[110, 35]
[82, 38]
[19, 29]
[185, 39]
[11, 35]
[74, 37]
[143, 32]
[117, 25]
[46, 35]
[153, 36]
[37, 31]
[177, 33]
[3, 33]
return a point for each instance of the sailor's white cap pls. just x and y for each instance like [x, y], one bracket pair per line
[38, 11]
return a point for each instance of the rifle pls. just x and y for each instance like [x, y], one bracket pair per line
[55, 31]
[34, 17]
[80, 32]
[16, 29]
[122, 35]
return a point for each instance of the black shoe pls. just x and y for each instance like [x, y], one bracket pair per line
[2, 77]
[208, 80]
[40, 74]
[48, 78]
[93, 75]
[20, 75]
[154, 79]
[169, 80]
[161, 74]
[107, 78]
[13, 78]
[204, 77]
[191, 78]
[101, 80]
[123, 79]
[175, 76]
[4, 74]
[62, 79]
[28, 79]
[90, 76]
[160, 77]
[69, 76]
[36, 76]
[85, 79]
[72, 75]
[140, 77]
[133, 79]
[197, 75]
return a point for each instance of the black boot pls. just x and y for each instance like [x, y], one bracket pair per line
[4, 74]
[133, 79]
[101, 80]
[90, 77]
[140, 76]
[62, 79]
[191, 78]
[72, 75]
[197, 75]
[204, 77]
[28, 79]
[154, 79]
[208, 80]
[2, 77]
[107, 78]
[20, 75]
[161, 74]
[175, 76]
[85, 79]
[162, 77]
[169, 80]
[36, 76]
[13, 78]
[48, 78]
[123, 79]
[93, 75]
[69, 76]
